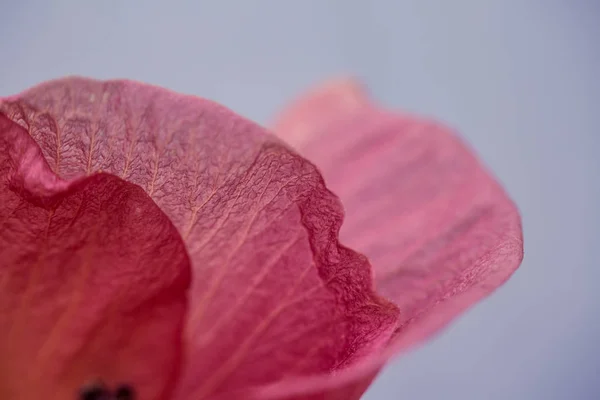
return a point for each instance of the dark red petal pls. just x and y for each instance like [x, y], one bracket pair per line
[93, 280]
[274, 297]
[438, 229]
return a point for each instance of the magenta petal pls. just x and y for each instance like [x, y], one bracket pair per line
[438, 229]
[275, 301]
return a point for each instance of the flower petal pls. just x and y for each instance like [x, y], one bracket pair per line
[93, 281]
[351, 386]
[274, 296]
[438, 229]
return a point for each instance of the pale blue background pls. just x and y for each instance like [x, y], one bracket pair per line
[520, 79]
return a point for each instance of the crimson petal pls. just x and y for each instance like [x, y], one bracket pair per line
[274, 296]
[93, 280]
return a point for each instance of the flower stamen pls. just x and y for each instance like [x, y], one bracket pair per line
[124, 392]
[94, 391]
[99, 391]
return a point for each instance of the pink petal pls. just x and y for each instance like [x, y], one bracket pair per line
[439, 231]
[350, 384]
[93, 280]
[274, 296]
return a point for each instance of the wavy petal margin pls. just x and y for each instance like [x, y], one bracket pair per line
[438, 229]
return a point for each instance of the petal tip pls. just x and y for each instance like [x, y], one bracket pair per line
[349, 89]
[320, 106]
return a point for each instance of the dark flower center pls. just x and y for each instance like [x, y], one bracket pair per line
[124, 392]
[99, 391]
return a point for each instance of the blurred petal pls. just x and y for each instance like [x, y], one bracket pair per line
[304, 122]
[351, 387]
[274, 296]
[438, 229]
[93, 280]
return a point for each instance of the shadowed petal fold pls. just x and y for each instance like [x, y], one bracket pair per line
[93, 280]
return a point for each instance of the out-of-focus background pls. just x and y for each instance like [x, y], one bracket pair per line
[519, 78]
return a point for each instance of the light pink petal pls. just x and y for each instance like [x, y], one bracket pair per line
[438, 229]
[93, 280]
[275, 299]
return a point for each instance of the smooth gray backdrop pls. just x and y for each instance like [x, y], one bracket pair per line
[520, 80]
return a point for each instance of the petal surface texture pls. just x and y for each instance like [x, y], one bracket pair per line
[275, 298]
[93, 281]
[437, 228]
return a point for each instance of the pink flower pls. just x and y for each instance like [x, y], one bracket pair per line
[158, 246]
